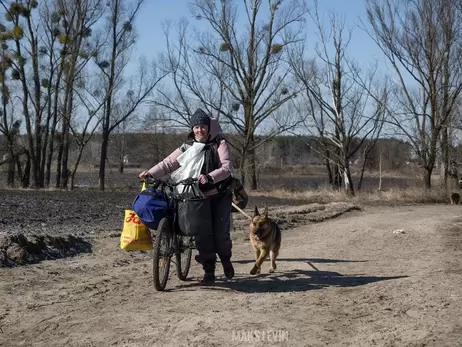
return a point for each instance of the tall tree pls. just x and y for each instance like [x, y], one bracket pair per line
[112, 61]
[241, 66]
[422, 40]
[52, 64]
[77, 19]
[9, 127]
[188, 85]
[88, 121]
[24, 49]
[342, 115]
[48, 49]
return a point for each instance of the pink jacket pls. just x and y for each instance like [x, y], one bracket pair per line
[170, 164]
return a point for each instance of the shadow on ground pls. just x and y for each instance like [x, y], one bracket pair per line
[305, 260]
[293, 281]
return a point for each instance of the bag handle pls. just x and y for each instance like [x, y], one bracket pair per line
[194, 188]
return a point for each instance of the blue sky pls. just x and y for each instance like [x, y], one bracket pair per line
[152, 41]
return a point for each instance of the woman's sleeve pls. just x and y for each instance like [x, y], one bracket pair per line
[166, 166]
[224, 171]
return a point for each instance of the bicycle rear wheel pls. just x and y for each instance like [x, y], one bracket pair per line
[183, 256]
[162, 254]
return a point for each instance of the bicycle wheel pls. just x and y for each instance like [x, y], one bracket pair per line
[162, 254]
[183, 256]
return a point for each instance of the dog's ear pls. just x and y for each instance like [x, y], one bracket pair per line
[265, 212]
[255, 212]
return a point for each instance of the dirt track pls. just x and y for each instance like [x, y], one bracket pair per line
[348, 281]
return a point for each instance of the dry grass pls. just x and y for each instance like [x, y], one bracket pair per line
[398, 196]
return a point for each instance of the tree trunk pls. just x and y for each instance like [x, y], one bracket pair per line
[242, 167]
[67, 114]
[44, 173]
[337, 181]
[50, 151]
[59, 161]
[11, 171]
[38, 177]
[121, 159]
[74, 170]
[431, 159]
[444, 159]
[427, 177]
[253, 170]
[11, 162]
[25, 176]
[102, 160]
[65, 157]
[328, 168]
[363, 168]
[350, 190]
[54, 123]
[71, 179]
[122, 151]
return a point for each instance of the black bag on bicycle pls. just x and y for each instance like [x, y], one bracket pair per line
[194, 215]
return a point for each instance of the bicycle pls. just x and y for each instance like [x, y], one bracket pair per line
[168, 238]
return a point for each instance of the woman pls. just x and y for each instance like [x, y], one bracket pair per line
[216, 168]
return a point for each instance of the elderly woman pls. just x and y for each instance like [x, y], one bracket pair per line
[215, 169]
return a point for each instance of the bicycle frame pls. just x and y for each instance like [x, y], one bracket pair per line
[170, 232]
[168, 188]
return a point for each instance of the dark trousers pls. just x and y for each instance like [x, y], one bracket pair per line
[218, 241]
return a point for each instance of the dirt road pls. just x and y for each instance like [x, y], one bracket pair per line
[349, 281]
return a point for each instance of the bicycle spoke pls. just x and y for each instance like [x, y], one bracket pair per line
[162, 254]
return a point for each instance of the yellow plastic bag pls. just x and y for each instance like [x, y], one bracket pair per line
[135, 235]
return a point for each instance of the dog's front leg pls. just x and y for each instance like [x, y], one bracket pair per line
[257, 253]
[273, 255]
[256, 268]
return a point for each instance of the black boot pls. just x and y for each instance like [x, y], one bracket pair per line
[198, 259]
[228, 268]
[209, 273]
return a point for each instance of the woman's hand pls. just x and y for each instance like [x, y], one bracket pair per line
[203, 179]
[144, 174]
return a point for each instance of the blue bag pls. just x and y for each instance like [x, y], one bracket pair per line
[150, 206]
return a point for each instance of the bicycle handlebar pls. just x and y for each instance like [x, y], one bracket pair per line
[187, 181]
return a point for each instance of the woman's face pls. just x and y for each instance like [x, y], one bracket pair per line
[201, 132]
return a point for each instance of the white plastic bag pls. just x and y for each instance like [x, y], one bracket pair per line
[191, 162]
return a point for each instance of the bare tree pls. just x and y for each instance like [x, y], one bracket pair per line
[77, 18]
[341, 111]
[48, 54]
[9, 125]
[189, 85]
[52, 65]
[125, 127]
[112, 61]
[24, 36]
[422, 41]
[84, 127]
[239, 72]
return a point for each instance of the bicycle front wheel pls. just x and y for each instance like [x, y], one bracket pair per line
[183, 256]
[162, 254]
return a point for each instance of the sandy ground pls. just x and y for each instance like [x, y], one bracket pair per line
[348, 281]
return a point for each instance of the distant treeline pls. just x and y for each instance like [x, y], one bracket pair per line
[142, 150]
[146, 149]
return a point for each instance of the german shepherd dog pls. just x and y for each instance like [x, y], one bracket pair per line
[265, 237]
